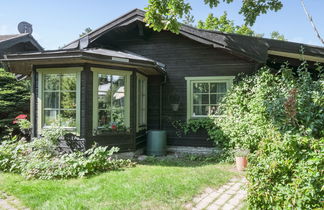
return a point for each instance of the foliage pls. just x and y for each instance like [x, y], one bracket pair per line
[223, 24]
[214, 132]
[86, 31]
[276, 35]
[241, 152]
[279, 117]
[40, 158]
[163, 14]
[226, 25]
[261, 102]
[14, 100]
[286, 172]
[24, 124]
[193, 125]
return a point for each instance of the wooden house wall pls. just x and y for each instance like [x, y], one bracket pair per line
[183, 58]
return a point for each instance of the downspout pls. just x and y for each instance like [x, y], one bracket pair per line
[161, 92]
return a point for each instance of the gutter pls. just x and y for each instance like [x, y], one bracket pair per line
[161, 93]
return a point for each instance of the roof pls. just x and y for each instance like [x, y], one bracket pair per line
[102, 56]
[254, 48]
[7, 41]
[9, 36]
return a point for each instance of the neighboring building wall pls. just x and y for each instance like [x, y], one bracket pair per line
[183, 58]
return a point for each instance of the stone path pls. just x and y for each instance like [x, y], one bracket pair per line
[227, 197]
[8, 202]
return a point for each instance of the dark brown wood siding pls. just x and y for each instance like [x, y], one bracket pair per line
[183, 58]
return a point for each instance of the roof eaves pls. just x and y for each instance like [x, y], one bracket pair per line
[13, 36]
[93, 34]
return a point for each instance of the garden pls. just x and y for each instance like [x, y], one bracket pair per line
[275, 116]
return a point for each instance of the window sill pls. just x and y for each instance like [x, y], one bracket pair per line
[111, 133]
[200, 117]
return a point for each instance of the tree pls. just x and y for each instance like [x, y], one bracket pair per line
[14, 99]
[164, 14]
[277, 35]
[223, 24]
[86, 31]
[189, 20]
[226, 25]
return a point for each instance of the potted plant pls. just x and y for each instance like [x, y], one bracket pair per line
[175, 102]
[241, 158]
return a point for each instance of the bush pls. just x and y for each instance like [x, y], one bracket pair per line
[280, 119]
[286, 172]
[286, 101]
[40, 159]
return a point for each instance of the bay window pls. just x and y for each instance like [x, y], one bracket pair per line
[205, 93]
[110, 100]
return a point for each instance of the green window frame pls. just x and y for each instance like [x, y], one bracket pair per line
[43, 73]
[204, 94]
[110, 72]
[141, 111]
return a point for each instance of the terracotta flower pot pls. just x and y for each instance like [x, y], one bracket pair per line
[241, 163]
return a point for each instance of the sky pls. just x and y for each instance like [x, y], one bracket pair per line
[58, 22]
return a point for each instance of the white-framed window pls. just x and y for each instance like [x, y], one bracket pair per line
[111, 95]
[141, 102]
[59, 98]
[205, 93]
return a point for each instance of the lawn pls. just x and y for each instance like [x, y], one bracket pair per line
[150, 185]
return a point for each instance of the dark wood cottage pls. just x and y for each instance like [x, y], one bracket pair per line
[123, 78]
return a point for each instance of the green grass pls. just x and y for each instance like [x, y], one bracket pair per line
[153, 185]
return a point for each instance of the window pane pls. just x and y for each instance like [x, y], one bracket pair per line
[104, 100]
[111, 100]
[51, 100]
[68, 82]
[201, 98]
[118, 117]
[68, 100]
[200, 110]
[216, 98]
[67, 118]
[50, 117]
[104, 82]
[200, 87]
[118, 100]
[118, 81]
[218, 87]
[104, 118]
[51, 82]
[104, 87]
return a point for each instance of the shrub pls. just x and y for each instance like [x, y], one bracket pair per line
[40, 158]
[279, 118]
[288, 101]
[286, 172]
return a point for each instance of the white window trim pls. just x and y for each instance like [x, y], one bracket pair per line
[139, 127]
[40, 96]
[191, 80]
[127, 75]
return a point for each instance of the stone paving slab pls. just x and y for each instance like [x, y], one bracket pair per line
[8, 202]
[227, 197]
